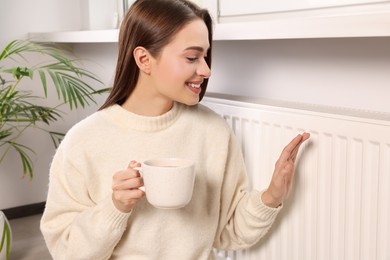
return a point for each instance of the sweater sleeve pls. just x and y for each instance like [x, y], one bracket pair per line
[75, 227]
[244, 218]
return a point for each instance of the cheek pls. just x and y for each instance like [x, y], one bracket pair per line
[175, 70]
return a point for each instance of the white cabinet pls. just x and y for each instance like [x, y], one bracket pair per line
[302, 19]
[277, 19]
[246, 7]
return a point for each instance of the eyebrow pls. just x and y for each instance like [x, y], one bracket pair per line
[196, 48]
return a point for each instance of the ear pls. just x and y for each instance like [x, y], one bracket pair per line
[143, 59]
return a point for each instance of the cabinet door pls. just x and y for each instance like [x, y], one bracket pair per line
[247, 7]
[210, 5]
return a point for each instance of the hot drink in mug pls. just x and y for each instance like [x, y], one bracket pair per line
[168, 182]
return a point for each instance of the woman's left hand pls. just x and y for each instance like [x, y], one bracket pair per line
[282, 178]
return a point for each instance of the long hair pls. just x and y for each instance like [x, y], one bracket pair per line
[151, 24]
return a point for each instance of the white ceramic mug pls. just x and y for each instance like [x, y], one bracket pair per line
[168, 182]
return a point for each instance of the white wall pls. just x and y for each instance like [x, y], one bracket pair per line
[342, 72]
[338, 72]
[349, 72]
[17, 18]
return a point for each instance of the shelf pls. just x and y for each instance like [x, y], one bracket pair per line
[363, 24]
[93, 36]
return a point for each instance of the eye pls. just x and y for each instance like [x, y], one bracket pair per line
[192, 59]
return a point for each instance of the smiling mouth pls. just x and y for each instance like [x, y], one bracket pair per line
[193, 85]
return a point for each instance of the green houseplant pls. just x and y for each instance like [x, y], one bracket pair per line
[20, 109]
[5, 241]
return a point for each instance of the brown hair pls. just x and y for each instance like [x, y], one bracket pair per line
[151, 24]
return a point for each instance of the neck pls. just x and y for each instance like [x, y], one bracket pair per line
[141, 103]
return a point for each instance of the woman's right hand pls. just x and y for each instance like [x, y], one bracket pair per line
[125, 188]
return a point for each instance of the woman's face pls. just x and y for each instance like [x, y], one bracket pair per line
[180, 69]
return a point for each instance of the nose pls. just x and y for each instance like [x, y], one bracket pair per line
[204, 69]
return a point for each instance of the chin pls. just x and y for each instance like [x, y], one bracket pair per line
[190, 102]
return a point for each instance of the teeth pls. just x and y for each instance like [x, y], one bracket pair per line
[192, 85]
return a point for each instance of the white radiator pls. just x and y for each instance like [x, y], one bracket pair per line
[339, 208]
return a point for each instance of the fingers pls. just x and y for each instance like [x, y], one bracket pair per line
[125, 187]
[291, 150]
[128, 195]
[294, 152]
[125, 175]
[133, 164]
[128, 184]
[128, 178]
[282, 178]
[288, 149]
[128, 173]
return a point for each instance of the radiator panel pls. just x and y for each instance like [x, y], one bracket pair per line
[340, 204]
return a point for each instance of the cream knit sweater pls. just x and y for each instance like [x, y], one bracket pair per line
[81, 222]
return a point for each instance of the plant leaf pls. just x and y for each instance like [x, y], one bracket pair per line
[56, 137]
[18, 107]
[6, 240]
[42, 76]
[25, 159]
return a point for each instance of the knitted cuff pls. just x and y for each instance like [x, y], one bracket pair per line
[113, 217]
[259, 208]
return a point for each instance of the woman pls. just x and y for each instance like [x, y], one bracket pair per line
[95, 209]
